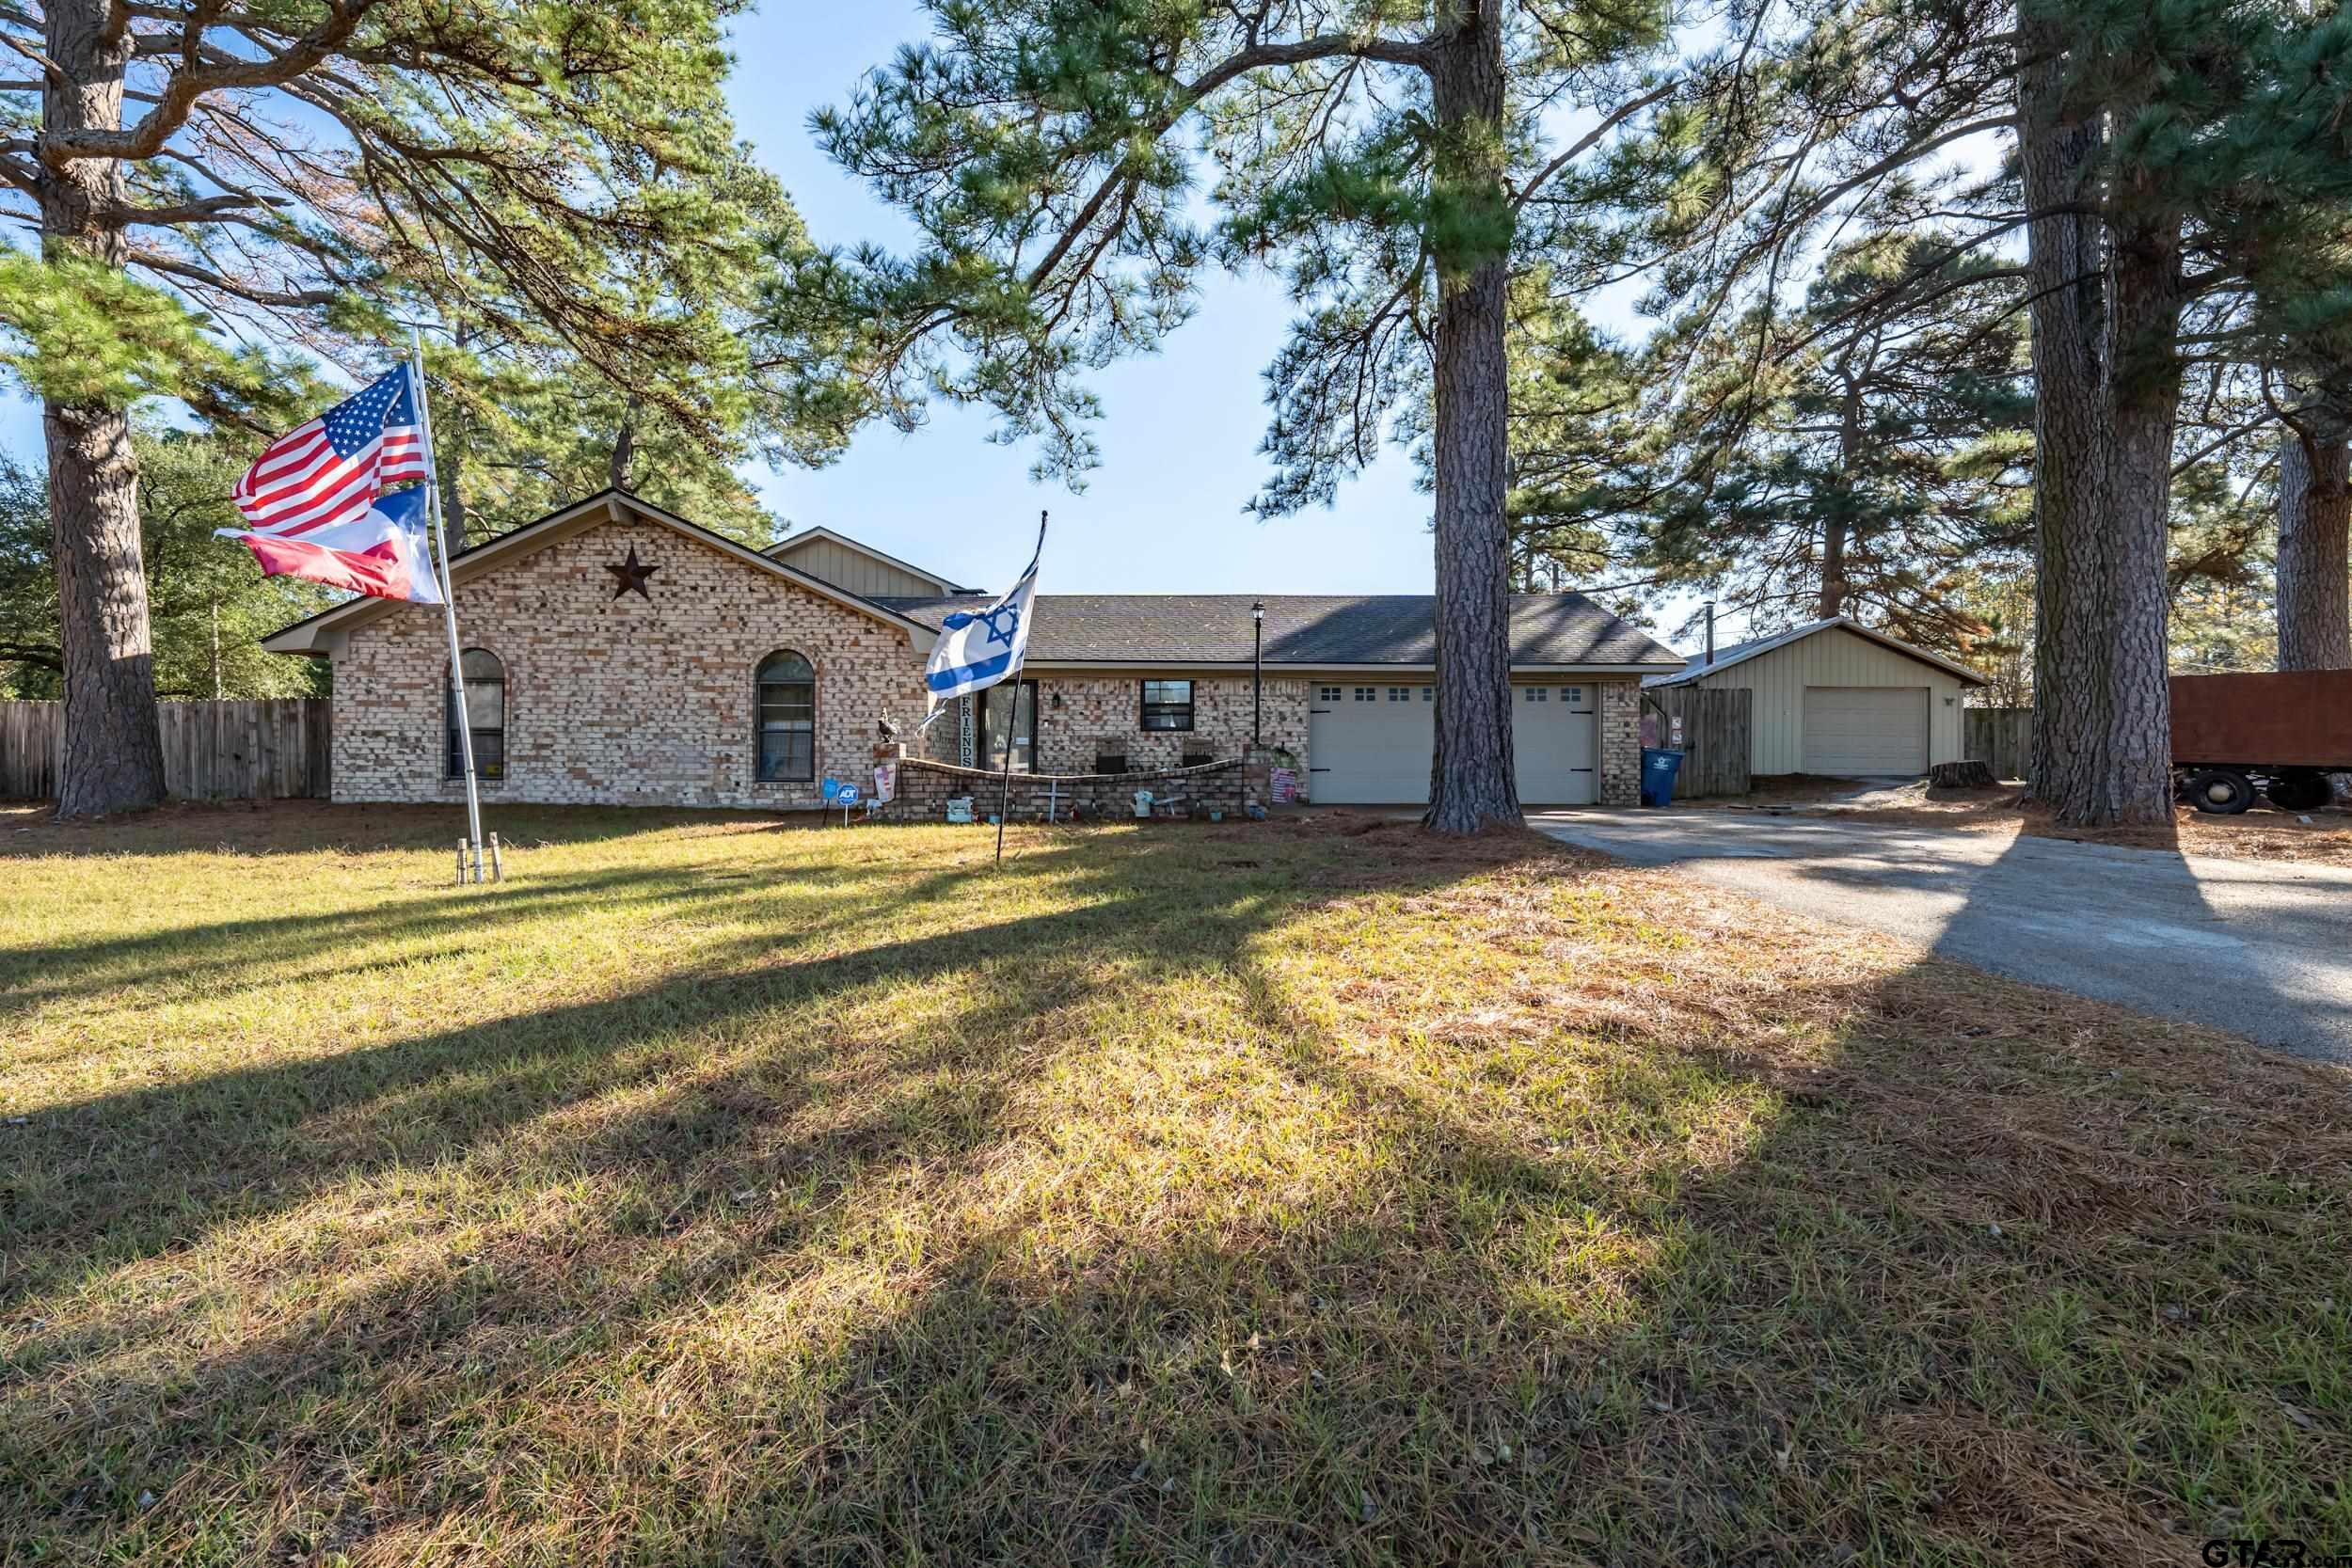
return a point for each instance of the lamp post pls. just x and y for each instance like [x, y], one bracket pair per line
[1257, 672]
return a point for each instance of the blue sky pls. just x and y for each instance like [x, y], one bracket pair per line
[1180, 430]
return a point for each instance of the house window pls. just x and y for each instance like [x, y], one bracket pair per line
[1400, 693]
[486, 715]
[1009, 716]
[1327, 693]
[788, 720]
[1167, 705]
[1536, 694]
[1367, 693]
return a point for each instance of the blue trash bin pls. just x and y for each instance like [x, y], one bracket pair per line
[1659, 767]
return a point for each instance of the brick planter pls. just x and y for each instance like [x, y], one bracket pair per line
[924, 788]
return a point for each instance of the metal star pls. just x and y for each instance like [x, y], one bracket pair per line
[632, 574]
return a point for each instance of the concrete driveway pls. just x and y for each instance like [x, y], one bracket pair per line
[2261, 949]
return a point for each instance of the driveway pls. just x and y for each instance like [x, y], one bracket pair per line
[2260, 949]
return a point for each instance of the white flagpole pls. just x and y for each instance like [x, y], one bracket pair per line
[448, 600]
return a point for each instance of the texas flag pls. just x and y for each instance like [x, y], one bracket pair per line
[381, 552]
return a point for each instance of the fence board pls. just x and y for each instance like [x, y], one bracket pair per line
[1717, 736]
[2002, 736]
[267, 749]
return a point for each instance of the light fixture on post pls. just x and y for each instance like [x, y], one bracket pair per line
[1257, 672]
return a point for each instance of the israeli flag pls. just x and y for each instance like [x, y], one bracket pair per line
[979, 648]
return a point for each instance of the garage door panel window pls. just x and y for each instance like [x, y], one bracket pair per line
[1168, 706]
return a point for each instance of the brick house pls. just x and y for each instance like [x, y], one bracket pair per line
[738, 677]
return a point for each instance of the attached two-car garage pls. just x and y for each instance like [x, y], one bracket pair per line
[1371, 743]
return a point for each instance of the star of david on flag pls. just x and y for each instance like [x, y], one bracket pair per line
[979, 648]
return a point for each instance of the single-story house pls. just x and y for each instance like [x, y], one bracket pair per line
[1838, 698]
[617, 654]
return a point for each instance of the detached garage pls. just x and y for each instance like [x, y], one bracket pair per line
[1842, 698]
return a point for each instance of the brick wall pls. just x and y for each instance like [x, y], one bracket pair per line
[923, 789]
[1621, 742]
[1103, 715]
[619, 701]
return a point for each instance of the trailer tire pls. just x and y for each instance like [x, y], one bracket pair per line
[2299, 791]
[2220, 791]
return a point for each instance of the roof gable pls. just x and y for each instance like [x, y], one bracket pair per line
[1740, 652]
[319, 633]
[810, 549]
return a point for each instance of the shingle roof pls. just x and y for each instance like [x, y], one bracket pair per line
[1302, 628]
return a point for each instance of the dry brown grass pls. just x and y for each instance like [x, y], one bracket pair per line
[1321, 1192]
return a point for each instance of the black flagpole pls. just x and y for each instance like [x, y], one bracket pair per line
[1012, 720]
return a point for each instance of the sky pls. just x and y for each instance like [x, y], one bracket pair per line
[1179, 432]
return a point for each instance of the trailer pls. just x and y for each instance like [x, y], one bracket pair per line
[2280, 735]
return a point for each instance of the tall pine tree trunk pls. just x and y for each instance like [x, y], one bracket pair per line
[114, 755]
[1838, 521]
[2314, 576]
[2056, 152]
[2106, 304]
[1472, 783]
[2126, 777]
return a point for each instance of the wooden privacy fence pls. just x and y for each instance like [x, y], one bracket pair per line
[267, 749]
[1717, 736]
[2002, 736]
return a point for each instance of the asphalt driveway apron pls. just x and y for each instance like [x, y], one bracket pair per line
[2262, 949]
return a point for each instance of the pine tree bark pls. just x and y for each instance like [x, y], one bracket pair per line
[1472, 783]
[1836, 523]
[2314, 567]
[114, 757]
[2105, 307]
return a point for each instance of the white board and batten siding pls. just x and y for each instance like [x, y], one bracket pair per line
[1870, 700]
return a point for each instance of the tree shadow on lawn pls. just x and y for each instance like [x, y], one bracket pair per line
[1326, 1216]
[259, 828]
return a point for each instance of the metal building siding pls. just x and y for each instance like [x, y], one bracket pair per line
[859, 574]
[1834, 656]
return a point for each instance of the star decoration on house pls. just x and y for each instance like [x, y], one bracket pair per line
[632, 574]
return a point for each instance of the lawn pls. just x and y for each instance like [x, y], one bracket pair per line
[721, 1191]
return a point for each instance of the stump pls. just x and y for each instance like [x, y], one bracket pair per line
[1974, 774]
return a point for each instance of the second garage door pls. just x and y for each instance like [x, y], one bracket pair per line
[1858, 731]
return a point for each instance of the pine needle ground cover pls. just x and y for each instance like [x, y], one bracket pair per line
[725, 1192]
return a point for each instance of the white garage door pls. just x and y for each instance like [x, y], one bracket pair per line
[1556, 743]
[1855, 731]
[1370, 745]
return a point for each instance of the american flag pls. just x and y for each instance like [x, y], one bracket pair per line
[331, 469]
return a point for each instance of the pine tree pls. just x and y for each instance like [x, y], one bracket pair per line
[1394, 164]
[559, 178]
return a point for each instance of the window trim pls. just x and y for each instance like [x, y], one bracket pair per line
[759, 718]
[1146, 708]
[453, 753]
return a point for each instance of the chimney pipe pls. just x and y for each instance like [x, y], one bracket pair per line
[1711, 632]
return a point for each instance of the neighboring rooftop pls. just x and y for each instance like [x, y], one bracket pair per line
[1322, 629]
[1698, 664]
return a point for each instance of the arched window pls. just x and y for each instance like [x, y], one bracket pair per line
[485, 712]
[788, 720]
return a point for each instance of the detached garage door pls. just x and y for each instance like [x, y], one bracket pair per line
[1860, 730]
[1370, 745]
